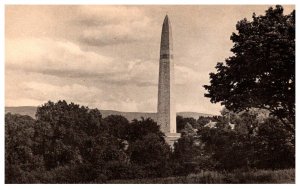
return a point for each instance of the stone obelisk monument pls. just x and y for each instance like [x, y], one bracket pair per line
[166, 100]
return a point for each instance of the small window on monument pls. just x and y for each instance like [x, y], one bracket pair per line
[165, 56]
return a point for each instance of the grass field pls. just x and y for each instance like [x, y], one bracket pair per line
[286, 176]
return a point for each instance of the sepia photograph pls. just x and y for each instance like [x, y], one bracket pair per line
[149, 94]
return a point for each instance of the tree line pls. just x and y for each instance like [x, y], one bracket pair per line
[68, 143]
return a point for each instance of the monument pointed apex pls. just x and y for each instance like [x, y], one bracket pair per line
[166, 19]
[166, 36]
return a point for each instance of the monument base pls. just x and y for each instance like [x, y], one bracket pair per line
[171, 138]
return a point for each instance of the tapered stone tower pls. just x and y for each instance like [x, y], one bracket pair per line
[166, 100]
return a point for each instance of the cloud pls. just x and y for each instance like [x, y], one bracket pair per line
[40, 92]
[53, 70]
[110, 14]
[111, 25]
[107, 56]
[67, 60]
[38, 54]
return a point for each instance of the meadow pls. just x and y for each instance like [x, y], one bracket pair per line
[286, 176]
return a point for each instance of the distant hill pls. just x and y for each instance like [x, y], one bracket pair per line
[129, 115]
[195, 115]
[22, 110]
[31, 110]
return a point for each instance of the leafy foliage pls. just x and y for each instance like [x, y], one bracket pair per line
[181, 123]
[72, 144]
[20, 160]
[63, 132]
[68, 143]
[252, 143]
[189, 156]
[261, 73]
[140, 128]
[151, 154]
[117, 126]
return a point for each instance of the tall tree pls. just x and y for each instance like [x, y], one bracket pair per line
[64, 131]
[118, 126]
[151, 154]
[140, 128]
[261, 73]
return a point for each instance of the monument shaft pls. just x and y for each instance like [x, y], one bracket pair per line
[166, 100]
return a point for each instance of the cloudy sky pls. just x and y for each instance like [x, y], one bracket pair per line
[107, 56]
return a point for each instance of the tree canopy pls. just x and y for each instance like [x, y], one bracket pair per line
[261, 72]
[69, 143]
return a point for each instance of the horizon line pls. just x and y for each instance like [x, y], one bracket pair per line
[125, 111]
